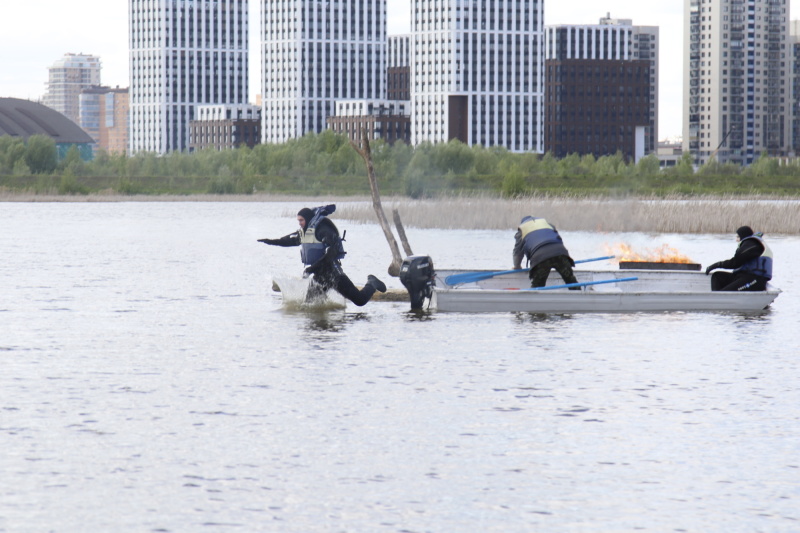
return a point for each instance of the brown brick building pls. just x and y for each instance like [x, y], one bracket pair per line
[225, 126]
[595, 106]
[387, 120]
[601, 88]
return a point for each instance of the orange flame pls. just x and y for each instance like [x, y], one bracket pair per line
[662, 254]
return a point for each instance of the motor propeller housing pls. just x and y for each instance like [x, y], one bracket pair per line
[416, 275]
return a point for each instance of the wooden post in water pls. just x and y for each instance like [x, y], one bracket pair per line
[364, 151]
[401, 232]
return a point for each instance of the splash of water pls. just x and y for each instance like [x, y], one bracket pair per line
[295, 292]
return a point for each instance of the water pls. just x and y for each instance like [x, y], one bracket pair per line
[152, 381]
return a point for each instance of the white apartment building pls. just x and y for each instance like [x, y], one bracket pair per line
[398, 52]
[315, 53]
[477, 72]
[737, 83]
[361, 108]
[613, 40]
[228, 112]
[183, 54]
[67, 77]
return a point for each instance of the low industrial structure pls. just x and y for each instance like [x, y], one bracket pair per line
[23, 119]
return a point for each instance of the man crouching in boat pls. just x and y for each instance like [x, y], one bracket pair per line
[321, 251]
[751, 265]
[539, 241]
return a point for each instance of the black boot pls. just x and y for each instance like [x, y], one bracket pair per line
[375, 282]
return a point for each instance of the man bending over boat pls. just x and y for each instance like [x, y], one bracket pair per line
[539, 241]
[321, 250]
[751, 265]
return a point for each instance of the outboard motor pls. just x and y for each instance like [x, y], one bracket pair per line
[416, 275]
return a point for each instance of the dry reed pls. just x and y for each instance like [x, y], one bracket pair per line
[657, 215]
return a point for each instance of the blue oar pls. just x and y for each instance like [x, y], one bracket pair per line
[471, 277]
[594, 259]
[584, 284]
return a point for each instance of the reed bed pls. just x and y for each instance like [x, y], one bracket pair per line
[657, 215]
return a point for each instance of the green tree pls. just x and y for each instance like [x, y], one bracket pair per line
[685, 166]
[72, 162]
[12, 150]
[764, 166]
[41, 155]
[21, 168]
[514, 183]
[648, 166]
[452, 156]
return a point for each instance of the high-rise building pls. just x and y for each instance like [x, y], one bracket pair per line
[89, 110]
[737, 90]
[601, 89]
[795, 101]
[398, 70]
[315, 53]
[105, 115]
[67, 78]
[477, 72]
[183, 54]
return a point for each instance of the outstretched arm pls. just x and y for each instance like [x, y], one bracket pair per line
[293, 239]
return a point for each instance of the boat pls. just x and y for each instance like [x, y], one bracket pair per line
[597, 291]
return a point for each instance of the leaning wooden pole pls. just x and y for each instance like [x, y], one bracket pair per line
[366, 154]
[401, 232]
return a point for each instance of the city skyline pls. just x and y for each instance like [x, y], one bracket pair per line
[26, 49]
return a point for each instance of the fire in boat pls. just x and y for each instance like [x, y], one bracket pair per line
[664, 257]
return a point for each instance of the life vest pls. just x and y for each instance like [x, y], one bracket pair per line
[537, 232]
[311, 248]
[761, 265]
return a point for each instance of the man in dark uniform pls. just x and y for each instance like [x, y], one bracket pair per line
[539, 241]
[751, 265]
[321, 252]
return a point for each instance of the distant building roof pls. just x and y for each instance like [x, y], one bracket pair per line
[23, 118]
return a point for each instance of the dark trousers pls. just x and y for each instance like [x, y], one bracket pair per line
[541, 271]
[737, 281]
[339, 281]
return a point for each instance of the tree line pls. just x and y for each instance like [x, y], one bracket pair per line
[326, 163]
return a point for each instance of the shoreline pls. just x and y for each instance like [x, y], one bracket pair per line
[22, 197]
[7, 197]
[772, 215]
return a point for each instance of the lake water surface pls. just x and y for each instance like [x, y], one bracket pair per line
[152, 382]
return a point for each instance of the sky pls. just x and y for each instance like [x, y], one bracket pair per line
[36, 33]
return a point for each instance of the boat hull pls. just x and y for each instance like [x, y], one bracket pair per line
[653, 291]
